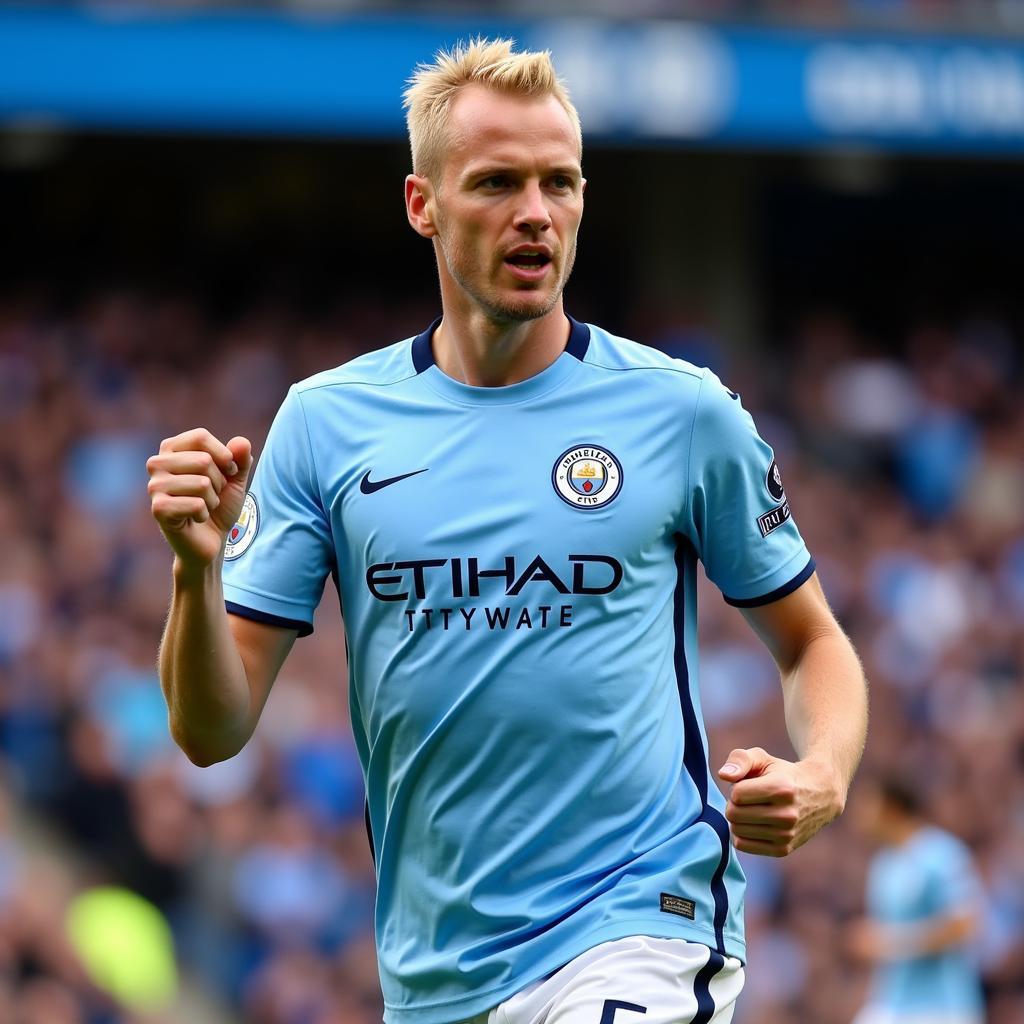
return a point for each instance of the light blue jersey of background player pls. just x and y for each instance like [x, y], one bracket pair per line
[924, 899]
[517, 569]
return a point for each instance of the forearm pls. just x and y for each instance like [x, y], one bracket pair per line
[776, 805]
[826, 706]
[201, 672]
[944, 933]
[924, 938]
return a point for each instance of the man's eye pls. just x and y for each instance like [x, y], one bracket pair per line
[495, 181]
[561, 181]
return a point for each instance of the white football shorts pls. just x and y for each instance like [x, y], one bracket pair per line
[636, 980]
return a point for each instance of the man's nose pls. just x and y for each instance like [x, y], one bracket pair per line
[533, 214]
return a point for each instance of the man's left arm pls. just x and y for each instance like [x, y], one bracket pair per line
[777, 805]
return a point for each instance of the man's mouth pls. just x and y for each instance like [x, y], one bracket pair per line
[528, 260]
[529, 265]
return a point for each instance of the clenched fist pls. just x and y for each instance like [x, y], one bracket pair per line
[777, 805]
[196, 487]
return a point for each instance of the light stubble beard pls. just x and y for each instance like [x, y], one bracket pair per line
[503, 311]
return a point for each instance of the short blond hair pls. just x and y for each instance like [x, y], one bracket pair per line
[489, 62]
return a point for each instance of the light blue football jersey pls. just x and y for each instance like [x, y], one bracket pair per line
[926, 878]
[517, 571]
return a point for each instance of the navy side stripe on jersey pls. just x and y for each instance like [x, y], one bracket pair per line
[694, 756]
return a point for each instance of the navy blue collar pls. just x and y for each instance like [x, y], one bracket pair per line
[423, 349]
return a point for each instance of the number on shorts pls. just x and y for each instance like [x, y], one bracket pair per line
[611, 1005]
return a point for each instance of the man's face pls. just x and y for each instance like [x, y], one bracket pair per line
[508, 202]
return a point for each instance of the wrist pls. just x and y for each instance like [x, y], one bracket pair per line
[831, 780]
[190, 574]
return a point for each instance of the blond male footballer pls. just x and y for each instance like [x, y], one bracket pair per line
[512, 505]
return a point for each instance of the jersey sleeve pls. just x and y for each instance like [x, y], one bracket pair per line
[740, 520]
[281, 550]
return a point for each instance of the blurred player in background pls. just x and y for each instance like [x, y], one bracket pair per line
[924, 902]
[512, 506]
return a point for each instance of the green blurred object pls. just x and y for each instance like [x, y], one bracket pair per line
[126, 945]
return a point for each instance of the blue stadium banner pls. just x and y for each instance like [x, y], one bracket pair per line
[645, 81]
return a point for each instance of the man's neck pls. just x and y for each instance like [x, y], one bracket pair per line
[471, 347]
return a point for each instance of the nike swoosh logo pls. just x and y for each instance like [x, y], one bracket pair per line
[368, 486]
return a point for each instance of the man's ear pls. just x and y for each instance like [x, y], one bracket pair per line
[420, 205]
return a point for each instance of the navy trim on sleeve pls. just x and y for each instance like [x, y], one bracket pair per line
[787, 588]
[304, 628]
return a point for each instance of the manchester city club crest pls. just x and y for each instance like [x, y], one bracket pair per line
[586, 476]
[243, 533]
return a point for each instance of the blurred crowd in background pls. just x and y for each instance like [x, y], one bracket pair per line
[904, 464]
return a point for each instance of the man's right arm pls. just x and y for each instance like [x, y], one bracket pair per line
[216, 669]
[879, 942]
